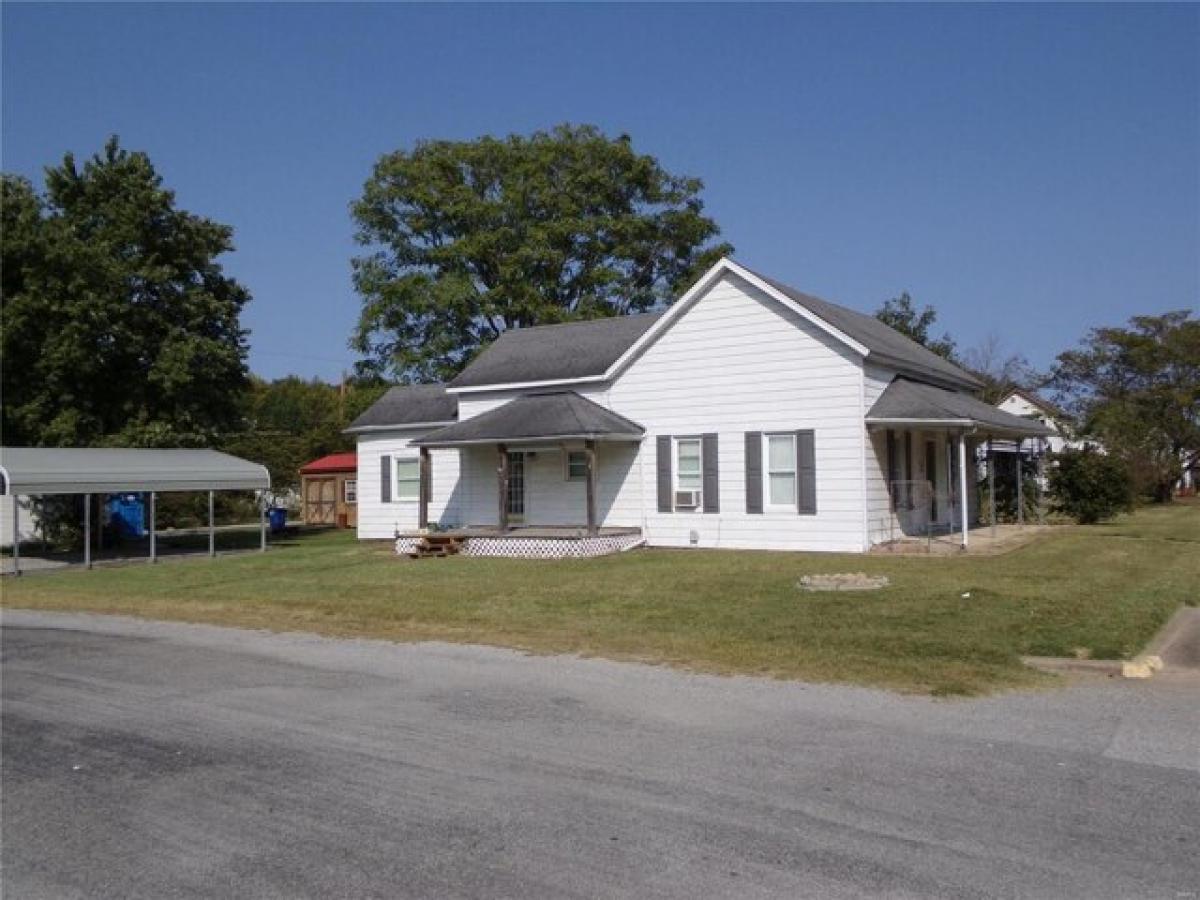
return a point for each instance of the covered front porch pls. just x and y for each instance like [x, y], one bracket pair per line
[927, 444]
[540, 476]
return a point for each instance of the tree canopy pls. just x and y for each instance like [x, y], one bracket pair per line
[902, 314]
[290, 421]
[119, 324]
[1137, 389]
[469, 238]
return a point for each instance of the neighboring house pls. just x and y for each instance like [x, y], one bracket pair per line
[748, 415]
[329, 490]
[1029, 405]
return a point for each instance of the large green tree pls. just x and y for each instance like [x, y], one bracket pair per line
[119, 326]
[290, 421]
[1137, 389]
[469, 238]
[902, 314]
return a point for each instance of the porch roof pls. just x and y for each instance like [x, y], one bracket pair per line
[562, 415]
[912, 403]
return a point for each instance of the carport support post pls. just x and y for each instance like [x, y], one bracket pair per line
[589, 449]
[262, 523]
[16, 532]
[153, 533]
[212, 532]
[962, 485]
[87, 531]
[502, 486]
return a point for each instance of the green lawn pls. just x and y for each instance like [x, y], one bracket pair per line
[1102, 590]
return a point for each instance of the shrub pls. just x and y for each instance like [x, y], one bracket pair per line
[1089, 486]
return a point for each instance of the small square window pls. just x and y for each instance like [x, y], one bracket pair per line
[350, 491]
[577, 467]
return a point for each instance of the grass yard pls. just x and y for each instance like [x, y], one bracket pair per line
[1100, 590]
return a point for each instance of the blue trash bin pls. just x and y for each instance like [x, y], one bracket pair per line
[278, 518]
[127, 514]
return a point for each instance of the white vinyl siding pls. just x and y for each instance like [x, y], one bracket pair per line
[377, 520]
[738, 361]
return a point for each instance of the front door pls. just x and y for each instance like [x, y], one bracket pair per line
[319, 501]
[516, 487]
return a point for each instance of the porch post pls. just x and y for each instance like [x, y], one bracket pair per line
[589, 448]
[1041, 481]
[16, 533]
[1020, 487]
[212, 531]
[153, 533]
[991, 467]
[962, 485]
[423, 499]
[502, 486]
[87, 531]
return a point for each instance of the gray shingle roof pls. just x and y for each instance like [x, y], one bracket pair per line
[886, 345]
[905, 400]
[408, 404]
[553, 352]
[562, 414]
[588, 349]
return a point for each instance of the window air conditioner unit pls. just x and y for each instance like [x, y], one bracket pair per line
[687, 499]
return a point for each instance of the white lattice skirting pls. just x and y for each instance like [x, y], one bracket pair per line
[537, 548]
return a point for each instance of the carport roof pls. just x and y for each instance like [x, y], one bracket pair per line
[99, 470]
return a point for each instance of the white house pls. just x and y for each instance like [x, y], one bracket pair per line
[748, 415]
[1029, 405]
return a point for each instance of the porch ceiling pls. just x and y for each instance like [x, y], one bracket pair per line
[912, 404]
[557, 416]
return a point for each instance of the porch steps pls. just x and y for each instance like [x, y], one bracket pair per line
[436, 545]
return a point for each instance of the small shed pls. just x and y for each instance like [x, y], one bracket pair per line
[329, 490]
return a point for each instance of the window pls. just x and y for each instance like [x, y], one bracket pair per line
[688, 471]
[781, 470]
[408, 479]
[576, 465]
[350, 491]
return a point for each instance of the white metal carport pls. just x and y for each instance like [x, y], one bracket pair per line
[112, 470]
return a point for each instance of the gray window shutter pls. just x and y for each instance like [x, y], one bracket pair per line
[806, 473]
[385, 479]
[712, 487]
[664, 473]
[754, 481]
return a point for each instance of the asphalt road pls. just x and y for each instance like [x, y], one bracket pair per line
[158, 760]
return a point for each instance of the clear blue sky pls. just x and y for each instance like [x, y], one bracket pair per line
[1032, 171]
